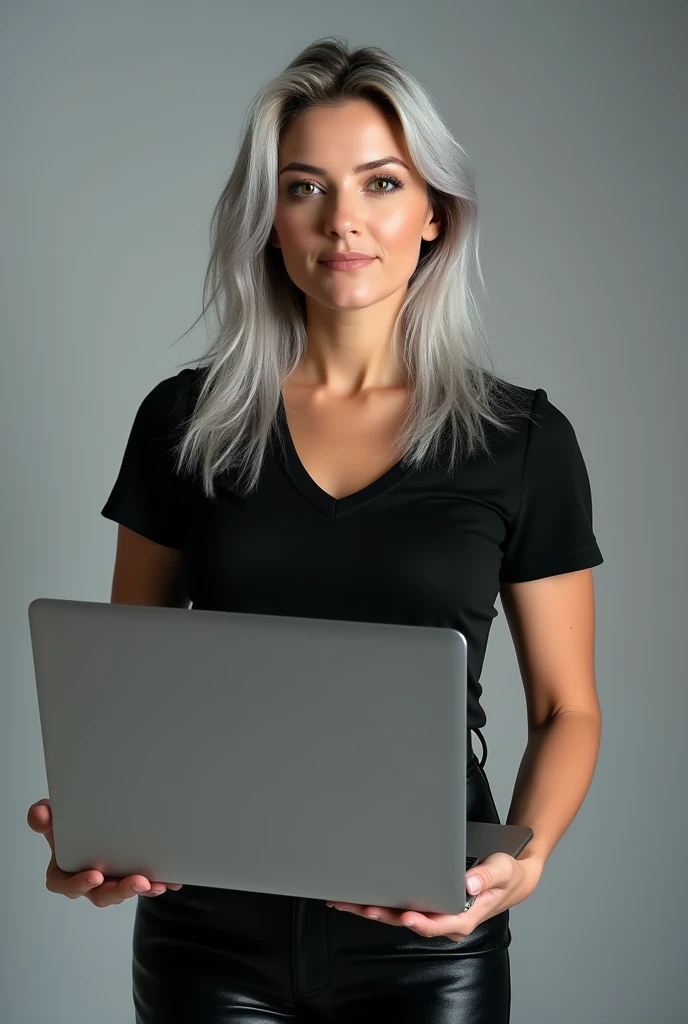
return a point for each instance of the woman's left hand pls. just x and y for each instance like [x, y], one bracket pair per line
[504, 881]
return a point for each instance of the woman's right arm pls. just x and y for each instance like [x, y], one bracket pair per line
[145, 573]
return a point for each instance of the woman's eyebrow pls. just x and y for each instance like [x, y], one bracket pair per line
[311, 169]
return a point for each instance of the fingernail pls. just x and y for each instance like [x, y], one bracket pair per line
[473, 883]
[137, 887]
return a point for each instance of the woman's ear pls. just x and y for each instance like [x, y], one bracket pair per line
[433, 226]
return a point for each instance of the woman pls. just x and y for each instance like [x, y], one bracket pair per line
[341, 452]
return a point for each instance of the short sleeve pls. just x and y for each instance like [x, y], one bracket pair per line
[552, 531]
[148, 496]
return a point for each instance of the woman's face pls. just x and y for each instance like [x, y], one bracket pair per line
[337, 207]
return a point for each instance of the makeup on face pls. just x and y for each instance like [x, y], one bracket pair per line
[348, 264]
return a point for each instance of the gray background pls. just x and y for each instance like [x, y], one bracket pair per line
[119, 127]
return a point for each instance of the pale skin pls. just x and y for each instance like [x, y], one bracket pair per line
[345, 403]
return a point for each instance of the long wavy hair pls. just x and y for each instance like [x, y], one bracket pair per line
[261, 331]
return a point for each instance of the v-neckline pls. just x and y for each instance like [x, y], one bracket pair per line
[321, 499]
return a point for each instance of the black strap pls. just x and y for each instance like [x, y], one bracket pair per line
[484, 744]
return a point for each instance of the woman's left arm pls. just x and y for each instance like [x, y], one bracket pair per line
[552, 623]
[553, 628]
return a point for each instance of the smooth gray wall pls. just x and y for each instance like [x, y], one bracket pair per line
[119, 126]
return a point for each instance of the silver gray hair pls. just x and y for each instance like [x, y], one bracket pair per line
[261, 334]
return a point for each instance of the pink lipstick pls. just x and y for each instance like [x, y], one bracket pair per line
[347, 264]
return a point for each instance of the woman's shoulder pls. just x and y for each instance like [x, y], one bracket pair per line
[172, 400]
[182, 384]
[531, 425]
[508, 410]
[528, 405]
[543, 436]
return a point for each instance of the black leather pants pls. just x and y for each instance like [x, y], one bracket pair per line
[212, 956]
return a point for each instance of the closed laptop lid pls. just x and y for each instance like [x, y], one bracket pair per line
[309, 757]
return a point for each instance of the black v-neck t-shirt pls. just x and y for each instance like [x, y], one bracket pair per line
[426, 547]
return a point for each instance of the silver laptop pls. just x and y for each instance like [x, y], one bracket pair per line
[301, 756]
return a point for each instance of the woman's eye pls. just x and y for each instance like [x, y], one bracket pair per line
[380, 191]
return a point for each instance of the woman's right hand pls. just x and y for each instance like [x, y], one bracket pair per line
[101, 891]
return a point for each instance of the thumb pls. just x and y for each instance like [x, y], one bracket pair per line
[40, 820]
[491, 871]
[474, 883]
[481, 877]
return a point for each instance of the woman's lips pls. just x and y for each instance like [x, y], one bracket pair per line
[346, 264]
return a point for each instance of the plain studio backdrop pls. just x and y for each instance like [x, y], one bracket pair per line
[119, 127]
